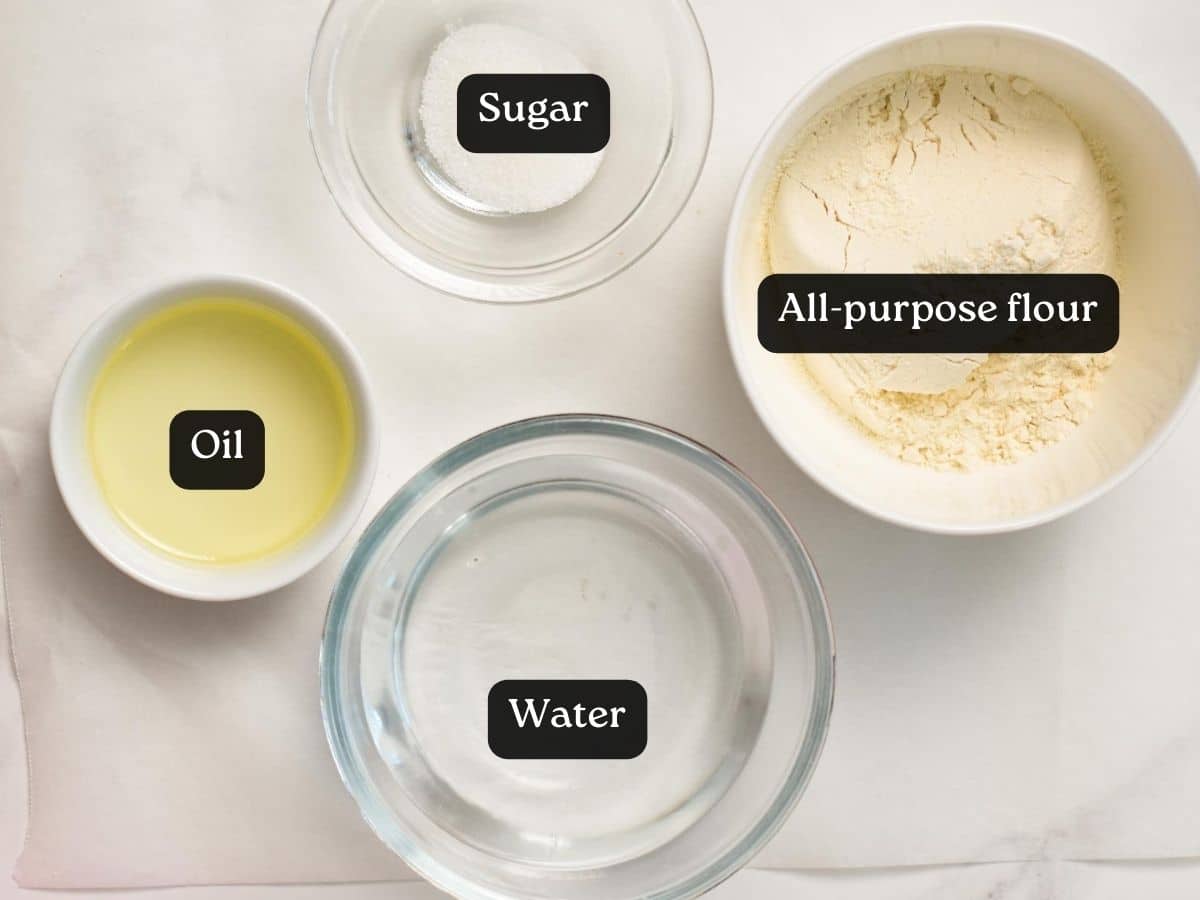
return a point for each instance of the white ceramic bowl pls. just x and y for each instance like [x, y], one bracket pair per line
[1155, 367]
[82, 495]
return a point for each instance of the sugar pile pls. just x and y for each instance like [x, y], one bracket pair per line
[500, 182]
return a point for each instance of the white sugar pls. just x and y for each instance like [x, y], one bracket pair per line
[503, 182]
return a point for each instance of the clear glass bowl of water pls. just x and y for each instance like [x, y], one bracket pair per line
[578, 547]
[364, 96]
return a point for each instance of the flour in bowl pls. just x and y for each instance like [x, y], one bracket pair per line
[949, 170]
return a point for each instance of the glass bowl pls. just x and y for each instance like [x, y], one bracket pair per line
[364, 94]
[578, 547]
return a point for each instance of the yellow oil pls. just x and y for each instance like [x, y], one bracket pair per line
[217, 353]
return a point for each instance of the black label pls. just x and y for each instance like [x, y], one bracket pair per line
[1042, 313]
[584, 719]
[533, 113]
[218, 449]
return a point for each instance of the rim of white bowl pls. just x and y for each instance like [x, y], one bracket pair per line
[72, 471]
[730, 300]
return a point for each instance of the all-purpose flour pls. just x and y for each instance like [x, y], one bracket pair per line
[948, 170]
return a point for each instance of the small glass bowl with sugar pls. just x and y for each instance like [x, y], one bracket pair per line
[508, 226]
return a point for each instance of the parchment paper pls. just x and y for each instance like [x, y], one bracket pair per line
[1020, 697]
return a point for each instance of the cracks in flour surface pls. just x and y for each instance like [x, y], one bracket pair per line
[902, 137]
[993, 114]
[931, 136]
[935, 86]
[966, 137]
[833, 212]
[1050, 175]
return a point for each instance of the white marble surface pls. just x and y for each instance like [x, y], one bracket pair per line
[168, 184]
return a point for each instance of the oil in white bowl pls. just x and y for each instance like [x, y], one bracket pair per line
[221, 353]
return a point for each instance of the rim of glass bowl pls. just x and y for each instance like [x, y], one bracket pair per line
[633, 237]
[383, 821]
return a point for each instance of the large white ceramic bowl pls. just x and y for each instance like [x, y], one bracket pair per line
[95, 518]
[1155, 366]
